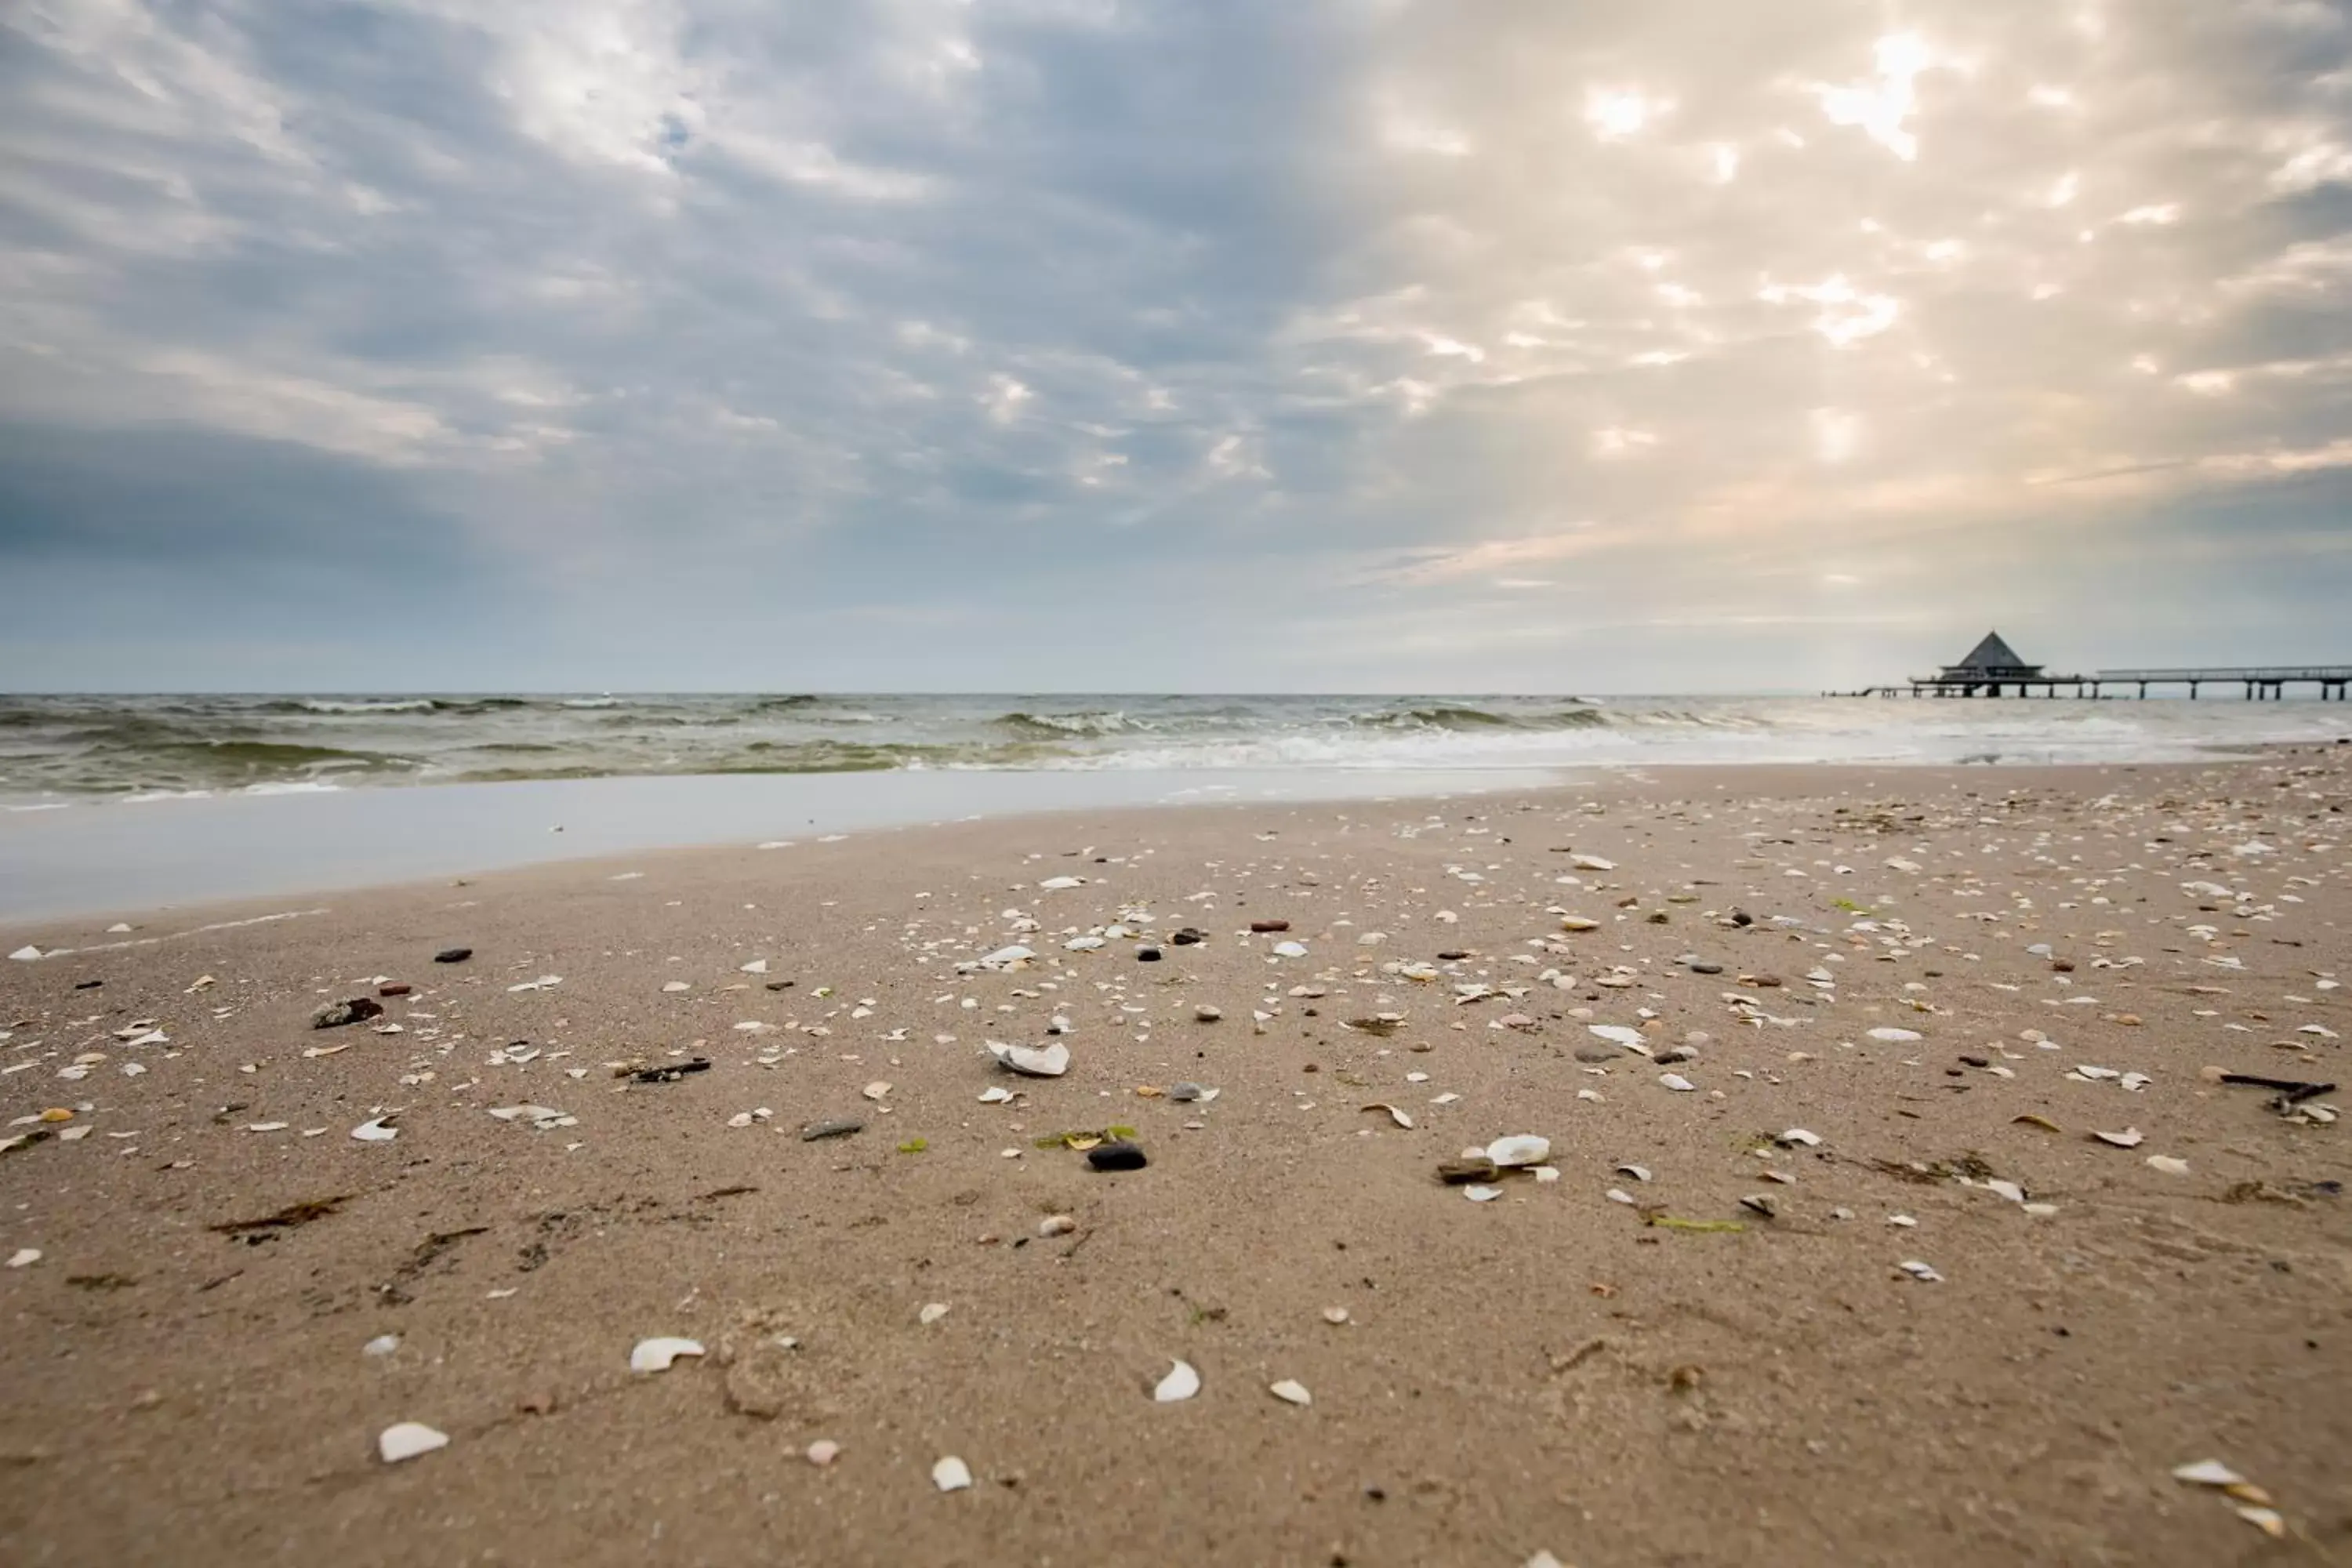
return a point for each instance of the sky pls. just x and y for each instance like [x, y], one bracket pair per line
[1354, 345]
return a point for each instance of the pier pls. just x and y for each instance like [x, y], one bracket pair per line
[1993, 670]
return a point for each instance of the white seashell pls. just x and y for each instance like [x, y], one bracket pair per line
[1921, 1271]
[1082, 944]
[2208, 1473]
[407, 1439]
[1182, 1383]
[1677, 1083]
[1579, 923]
[375, 1131]
[1007, 957]
[1059, 884]
[757, 966]
[879, 1090]
[1482, 1194]
[1519, 1149]
[1618, 1195]
[998, 1095]
[656, 1355]
[1896, 1036]
[1056, 1224]
[382, 1344]
[2168, 1164]
[1591, 863]
[1639, 1173]
[1445, 1099]
[823, 1452]
[1796, 1135]
[932, 1312]
[1052, 1061]
[2129, 1138]
[676, 985]
[1291, 1393]
[1547, 1173]
[23, 1258]
[2009, 1190]
[1289, 949]
[1618, 1034]
[951, 1475]
[1398, 1117]
[1335, 1316]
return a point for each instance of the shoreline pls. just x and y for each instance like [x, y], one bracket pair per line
[313, 845]
[1943, 976]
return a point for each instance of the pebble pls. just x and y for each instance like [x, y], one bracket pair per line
[395, 988]
[1263, 928]
[453, 955]
[823, 1452]
[1117, 1155]
[1702, 967]
[816, 1130]
[1205, 1014]
[336, 1014]
[1146, 955]
[1056, 1224]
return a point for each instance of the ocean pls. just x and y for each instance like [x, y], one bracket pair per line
[59, 751]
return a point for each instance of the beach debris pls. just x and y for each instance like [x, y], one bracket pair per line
[2043, 1123]
[1896, 1036]
[1477, 1168]
[1923, 1272]
[1206, 1014]
[1052, 1061]
[914, 1145]
[544, 982]
[1619, 1035]
[1146, 955]
[381, 1346]
[1797, 1137]
[1676, 1082]
[1181, 1383]
[1639, 1173]
[1012, 957]
[757, 966]
[1335, 1316]
[1191, 1093]
[379, 1131]
[1481, 1194]
[657, 1354]
[1055, 1225]
[668, 1073]
[1061, 884]
[2168, 1164]
[1579, 923]
[1519, 1148]
[816, 1132]
[407, 1439]
[878, 1090]
[823, 1452]
[1290, 1393]
[27, 953]
[1398, 1117]
[1591, 863]
[931, 1313]
[395, 988]
[2208, 1473]
[453, 955]
[2129, 1138]
[541, 1117]
[1084, 944]
[674, 987]
[1266, 928]
[951, 1475]
[1762, 1204]
[23, 1258]
[1117, 1155]
[352, 1011]
[287, 1218]
[1289, 949]
[997, 1094]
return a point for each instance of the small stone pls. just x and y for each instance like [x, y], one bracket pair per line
[1146, 955]
[1188, 937]
[453, 955]
[1056, 1224]
[815, 1131]
[1701, 966]
[1335, 1316]
[1204, 1014]
[823, 1452]
[1263, 928]
[395, 988]
[1455, 1173]
[336, 1014]
[1117, 1155]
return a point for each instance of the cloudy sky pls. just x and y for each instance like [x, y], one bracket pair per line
[1622, 345]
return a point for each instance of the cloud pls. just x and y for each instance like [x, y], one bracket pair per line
[726, 343]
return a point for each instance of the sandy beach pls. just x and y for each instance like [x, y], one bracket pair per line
[1826, 1261]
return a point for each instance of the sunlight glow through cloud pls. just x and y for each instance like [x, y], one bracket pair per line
[1881, 107]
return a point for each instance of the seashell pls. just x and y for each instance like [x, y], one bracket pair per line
[1639, 1173]
[1007, 958]
[1052, 1061]
[823, 1452]
[997, 1095]
[1182, 1383]
[2208, 1473]
[1797, 1135]
[1289, 949]
[1896, 1036]
[1921, 1271]
[1579, 923]
[2129, 1138]
[951, 1475]
[1618, 1034]
[1591, 863]
[1519, 1149]
[1291, 1393]
[1482, 1194]
[1398, 1117]
[407, 1439]
[656, 1355]
[375, 1131]
[931, 1313]
[2168, 1164]
[1677, 1083]
[1083, 945]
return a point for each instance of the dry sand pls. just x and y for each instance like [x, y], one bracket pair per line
[1551, 1372]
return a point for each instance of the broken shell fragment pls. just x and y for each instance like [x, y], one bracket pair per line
[823, 1452]
[406, 1439]
[1398, 1117]
[951, 1475]
[1052, 1061]
[656, 1355]
[1182, 1383]
[1291, 1393]
[1520, 1149]
[2208, 1473]
[379, 1131]
[2169, 1166]
[2129, 1138]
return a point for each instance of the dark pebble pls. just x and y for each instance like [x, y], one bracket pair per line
[1189, 937]
[1458, 1172]
[780, 985]
[395, 988]
[670, 1072]
[1975, 1062]
[88, 984]
[1452, 955]
[1146, 955]
[816, 1130]
[1117, 1155]
[335, 1013]
[1742, 917]
[1263, 927]
[453, 955]
[1702, 968]
[1598, 1054]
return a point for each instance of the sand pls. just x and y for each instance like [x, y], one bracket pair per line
[1615, 1383]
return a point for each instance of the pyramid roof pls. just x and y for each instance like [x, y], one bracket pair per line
[1992, 654]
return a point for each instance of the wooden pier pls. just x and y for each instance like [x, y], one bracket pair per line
[1992, 669]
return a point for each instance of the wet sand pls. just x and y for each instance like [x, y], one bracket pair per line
[1677, 1379]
